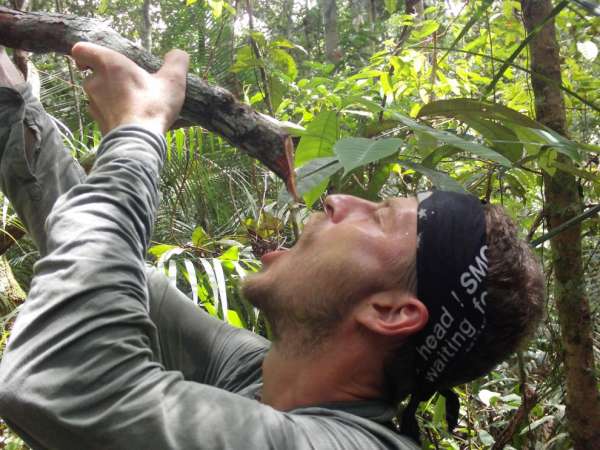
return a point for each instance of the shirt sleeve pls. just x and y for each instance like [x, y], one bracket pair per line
[204, 349]
[78, 371]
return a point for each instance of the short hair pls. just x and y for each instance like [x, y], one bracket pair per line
[515, 305]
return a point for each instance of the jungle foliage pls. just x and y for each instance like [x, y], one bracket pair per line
[390, 98]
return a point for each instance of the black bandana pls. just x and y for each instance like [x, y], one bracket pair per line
[451, 273]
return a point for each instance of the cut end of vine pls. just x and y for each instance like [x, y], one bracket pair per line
[290, 181]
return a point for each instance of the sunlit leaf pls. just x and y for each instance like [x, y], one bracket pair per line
[425, 28]
[199, 236]
[212, 281]
[231, 254]
[318, 139]
[217, 7]
[221, 286]
[191, 277]
[234, 319]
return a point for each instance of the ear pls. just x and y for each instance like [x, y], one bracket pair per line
[392, 313]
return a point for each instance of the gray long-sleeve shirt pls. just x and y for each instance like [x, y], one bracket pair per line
[85, 366]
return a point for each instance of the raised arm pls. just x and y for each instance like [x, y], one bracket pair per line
[78, 370]
[189, 340]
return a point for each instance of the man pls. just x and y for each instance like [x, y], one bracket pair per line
[375, 302]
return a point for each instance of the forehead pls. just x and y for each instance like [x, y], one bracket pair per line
[400, 215]
[402, 205]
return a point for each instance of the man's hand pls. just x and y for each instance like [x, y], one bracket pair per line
[120, 92]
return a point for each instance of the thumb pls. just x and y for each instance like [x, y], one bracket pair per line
[89, 56]
[175, 66]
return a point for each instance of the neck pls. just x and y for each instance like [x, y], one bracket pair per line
[342, 369]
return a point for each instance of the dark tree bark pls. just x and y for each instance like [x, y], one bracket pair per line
[332, 37]
[212, 107]
[146, 29]
[563, 202]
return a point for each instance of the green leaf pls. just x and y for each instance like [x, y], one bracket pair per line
[231, 254]
[285, 60]
[199, 236]
[366, 74]
[515, 185]
[356, 152]
[435, 156]
[386, 84]
[391, 6]
[452, 139]
[312, 180]
[234, 319]
[439, 411]
[576, 171]
[180, 142]
[474, 108]
[103, 6]
[535, 140]
[190, 274]
[217, 7]
[502, 139]
[439, 179]
[370, 105]
[314, 177]
[536, 423]
[486, 438]
[158, 250]
[425, 28]
[318, 139]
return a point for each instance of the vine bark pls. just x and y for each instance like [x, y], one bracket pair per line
[212, 107]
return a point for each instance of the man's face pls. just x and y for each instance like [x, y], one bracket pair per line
[354, 249]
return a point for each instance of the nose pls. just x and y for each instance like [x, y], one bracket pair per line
[340, 207]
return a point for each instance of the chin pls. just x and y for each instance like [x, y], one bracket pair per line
[256, 288]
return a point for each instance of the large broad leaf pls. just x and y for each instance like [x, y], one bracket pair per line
[312, 180]
[436, 155]
[468, 109]
[318, 139]
[475, 108]
[452, 139]
[439, 179]
[577, 172]
[356, 152]
[536, 140]
[502, 139]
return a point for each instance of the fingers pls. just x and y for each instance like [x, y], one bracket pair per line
[175, 66]
[96, 57]
[87, 56]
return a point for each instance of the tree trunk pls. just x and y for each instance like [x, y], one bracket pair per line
[212, 107]
[562, 203]
[332, 38]
[146, 29]
[11, 293]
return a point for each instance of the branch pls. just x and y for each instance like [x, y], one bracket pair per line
[529, 401]
[563, 226]
[212, 107]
